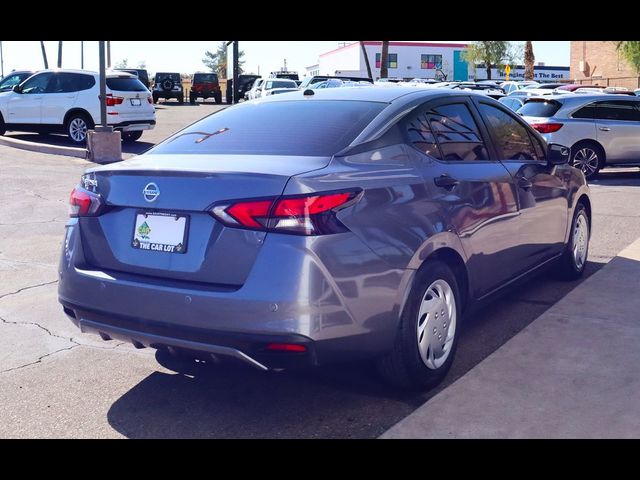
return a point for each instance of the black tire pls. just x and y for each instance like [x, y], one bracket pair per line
[130, 137]
[404, 366]
[167, 85]
[218, 98]
[181, 99]
[74, 127]
[155, 99]
[569, 266]
[192, 100]
[3, 129]
[588, 157]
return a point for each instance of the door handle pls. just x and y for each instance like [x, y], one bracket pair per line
[605, 129]
[445, 181]
[524, 183]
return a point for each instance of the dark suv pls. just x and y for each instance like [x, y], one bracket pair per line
[167, 85]
[205, 85]
[141, 73]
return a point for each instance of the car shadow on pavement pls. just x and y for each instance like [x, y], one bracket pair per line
[341, 401]
[629, 177]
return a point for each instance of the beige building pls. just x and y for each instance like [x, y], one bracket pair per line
[600, 63]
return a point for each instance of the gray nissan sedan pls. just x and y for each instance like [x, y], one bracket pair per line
[321, 226]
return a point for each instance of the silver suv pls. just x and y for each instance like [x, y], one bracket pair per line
[602, 130]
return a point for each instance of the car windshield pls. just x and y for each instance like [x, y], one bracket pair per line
[281, 84]
[11, 80]
[205, 77]
[297, 128]
[126, 84]
[540, 108]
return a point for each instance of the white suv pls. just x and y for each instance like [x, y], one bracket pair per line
[67, 101]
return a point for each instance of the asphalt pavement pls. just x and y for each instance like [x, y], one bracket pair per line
[58, 382]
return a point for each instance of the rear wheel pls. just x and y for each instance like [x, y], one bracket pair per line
[77, 126]
[192, 100]
[574, 260]
[3, 129]
[181, 99]
[218, 98]
[428, 336]
[155, 99]
[131, 136]
[588, 157]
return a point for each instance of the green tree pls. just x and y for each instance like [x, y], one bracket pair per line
[124, 63]
[529, 59]
[142, 65]
[217, 62]
[384, 60]
[490, 54]
[631, 52]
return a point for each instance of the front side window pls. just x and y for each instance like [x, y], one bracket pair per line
[457, 133]
[36, 84]
[431, 61]
[511, 137]
[618, 110]
[392, 60]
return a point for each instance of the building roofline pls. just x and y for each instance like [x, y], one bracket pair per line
[399, 44]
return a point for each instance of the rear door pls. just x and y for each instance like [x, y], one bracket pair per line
[618, 130]
[472, 189]
[542, 190]
[25, 107]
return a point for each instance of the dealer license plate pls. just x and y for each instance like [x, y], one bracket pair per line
[135, 102]
[160, 232]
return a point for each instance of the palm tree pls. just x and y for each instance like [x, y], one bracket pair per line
[366, 60]
[529, 59]
[384, 59]
[60, 54]
[44, 55]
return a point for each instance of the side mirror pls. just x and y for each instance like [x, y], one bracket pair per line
[17, 89]
[558, 154]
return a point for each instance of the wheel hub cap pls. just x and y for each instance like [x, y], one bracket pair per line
[78, 129]
[586, 160]
[580, 241]
[436, 324]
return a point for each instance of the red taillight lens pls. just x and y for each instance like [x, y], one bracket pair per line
[547, 127]
[303, 215]
[286, 347]
[111, 100]
[83, 203]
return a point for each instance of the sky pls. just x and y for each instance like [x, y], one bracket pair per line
[186, 57]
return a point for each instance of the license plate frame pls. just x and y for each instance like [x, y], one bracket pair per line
[137, 241]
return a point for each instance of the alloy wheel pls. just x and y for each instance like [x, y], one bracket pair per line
[587, 160]
[78, 129]
[580, 241]
[436, 324]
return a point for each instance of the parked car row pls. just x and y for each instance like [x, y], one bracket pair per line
[262, 87]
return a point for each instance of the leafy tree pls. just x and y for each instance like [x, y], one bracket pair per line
[490, 54]
[124, 63]
[631, 53]
[384, 60]
[529, 59]
[142, 65]
[217, 62]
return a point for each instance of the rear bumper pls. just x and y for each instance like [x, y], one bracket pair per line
[134, 125]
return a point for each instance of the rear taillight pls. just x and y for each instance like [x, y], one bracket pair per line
[303, 215]
[83, 203]
[547, 127]
[287, 347]
[112, 101]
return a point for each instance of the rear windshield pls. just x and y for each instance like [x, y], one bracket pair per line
[126, 84]
[539, 108]
[281, 84]
[205, 77]
[319, 128]
[173, 76]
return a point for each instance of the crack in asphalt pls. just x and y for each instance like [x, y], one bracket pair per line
[35, 222]
[39, 360]
[27, 288]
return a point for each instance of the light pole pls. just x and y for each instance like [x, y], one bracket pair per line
[1, 61]
[108, 54]
[82, 55]
[103, 90]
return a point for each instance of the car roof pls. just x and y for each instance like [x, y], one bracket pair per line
[371, 94]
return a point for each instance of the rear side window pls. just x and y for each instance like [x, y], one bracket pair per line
[456, 133]
[205, 77]
[539, 108]
[421, 136]
[70, 82]
[588, 111]
[126, 84]
[299, 128]
[511, 137]
[618, 110]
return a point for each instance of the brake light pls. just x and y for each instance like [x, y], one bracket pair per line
[286, 347]
[112, 101]
[83, 203]
[303, 215]
[547, 127]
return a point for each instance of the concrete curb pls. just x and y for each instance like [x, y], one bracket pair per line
[38, 147]
[574, 372]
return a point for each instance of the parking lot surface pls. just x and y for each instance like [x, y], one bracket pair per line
[57, 382]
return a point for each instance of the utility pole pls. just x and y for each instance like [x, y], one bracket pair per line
[82, 55]
[1, 61]
[108, 54]
[103, 89]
